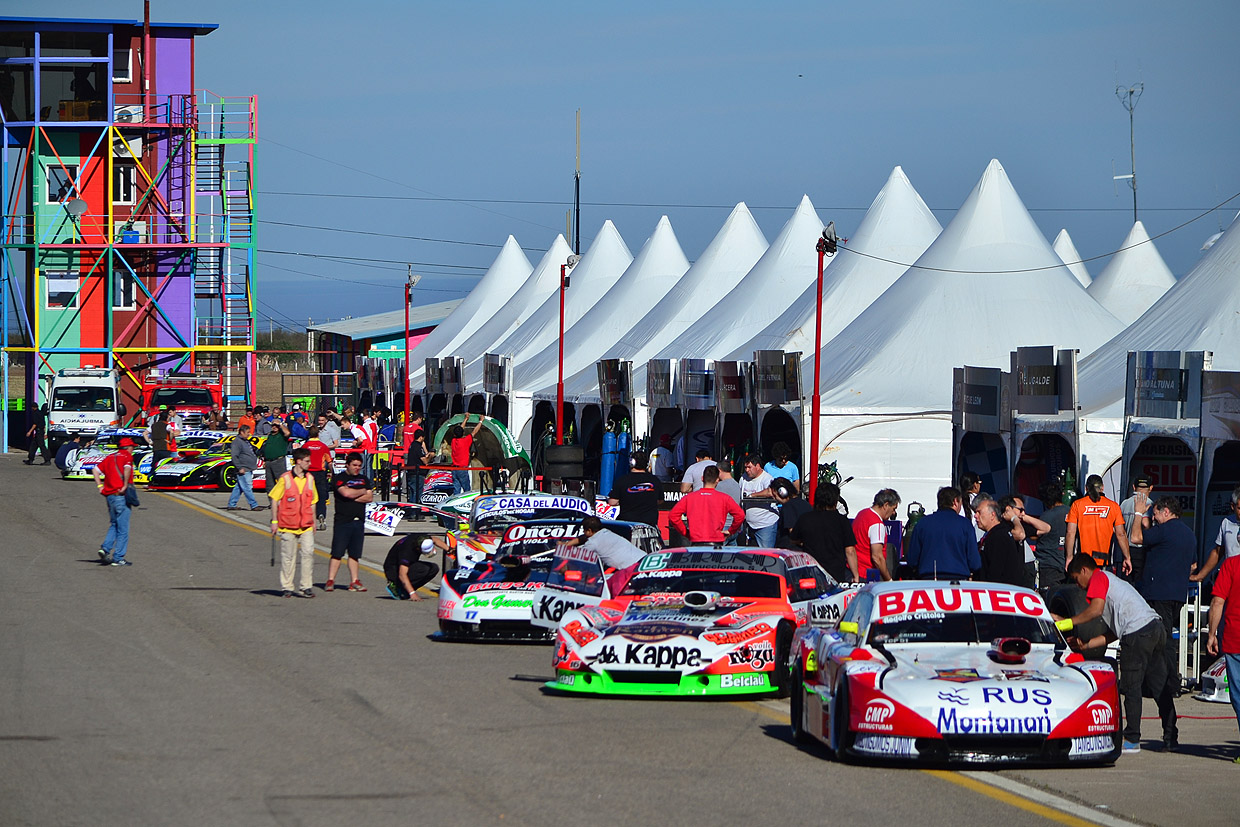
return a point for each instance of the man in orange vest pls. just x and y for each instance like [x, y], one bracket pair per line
[292, 521]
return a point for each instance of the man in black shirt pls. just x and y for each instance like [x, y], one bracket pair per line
[1003, 558]
[827, 536]
[353, 491]
[405, 570]
[791, 509]
[637, 493]
[38, 430]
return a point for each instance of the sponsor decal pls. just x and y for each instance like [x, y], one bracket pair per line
[501, 504]
[177, 468]
[1016, 695]
[957, 675]
[1091, 745]
[733, 638]
[670, 616]
[1101, 715]
[579, 633]
[878, 714]
[949, 721]
[820, 612]
[508, 587]
[1024, 675]
[600, 615]
[660, 600]
[886, 745]
[498, 601]
[605, 510]
[433, 497]
[567, 680]
[655, 631]
[963, 599]
[800, 560]
[578, 553]
[446, 608]
[738, 681]
[519, 531]
[552, 608]
[955, 696]
[645, 654]
[652, 562]
[471, 615]
[644, 575]
[383, 519]
[757, 656]
[1096, 510]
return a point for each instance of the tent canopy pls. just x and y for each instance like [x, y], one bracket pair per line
[1066, 251]
[1133, 279]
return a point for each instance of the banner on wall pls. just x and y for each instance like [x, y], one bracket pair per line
[1220, 405]
[659, 383]
[696, 384]
[730, 387]
[615, 382]
[981, 400]
[496, 370]
[434, 378]
[453, 369]
[1036, 377]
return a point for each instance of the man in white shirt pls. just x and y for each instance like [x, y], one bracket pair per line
[763, 521]
[692, 480]
[1227, 543]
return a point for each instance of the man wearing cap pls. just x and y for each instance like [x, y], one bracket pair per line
[405, 569]
[1131, 510]
[157, 435]
[113, 475]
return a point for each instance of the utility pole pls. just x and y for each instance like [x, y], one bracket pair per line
[1129, 97]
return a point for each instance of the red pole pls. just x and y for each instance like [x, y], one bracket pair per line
[408, 299]
[559, 385]
[816, 403]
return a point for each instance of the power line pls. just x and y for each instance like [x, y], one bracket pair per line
[641, 205]
[400, 285]
[383, 235]
[1150, 240]
[402, 262]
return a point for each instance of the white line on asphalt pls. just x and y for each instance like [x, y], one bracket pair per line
[1049, 799]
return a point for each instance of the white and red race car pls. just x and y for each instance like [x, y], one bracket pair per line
[952, 672]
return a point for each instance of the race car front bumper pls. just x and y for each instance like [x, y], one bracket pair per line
[660, 683]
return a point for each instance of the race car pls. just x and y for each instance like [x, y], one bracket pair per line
[491, 514]
[210, 471]
[105, 443]
[952, 672]
[692, 622]
[493, 599]
[1214, 688]
[190, 444]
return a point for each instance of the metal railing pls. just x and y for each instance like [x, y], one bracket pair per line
[222, 117]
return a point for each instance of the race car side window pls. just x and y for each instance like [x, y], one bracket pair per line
[859, 612]
[806, 584]
[647, 539]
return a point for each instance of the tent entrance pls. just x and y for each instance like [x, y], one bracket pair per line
[499, 408]
[736, 438]
[1042, 458]
[779, 426]
[591, 438]
[1171, 467]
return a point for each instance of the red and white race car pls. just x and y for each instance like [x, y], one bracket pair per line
[952, 672]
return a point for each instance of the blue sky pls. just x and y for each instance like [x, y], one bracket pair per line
[690, 107]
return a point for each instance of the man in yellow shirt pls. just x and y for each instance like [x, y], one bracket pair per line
[292, 522]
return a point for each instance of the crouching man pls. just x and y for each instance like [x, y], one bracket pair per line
[405, 569]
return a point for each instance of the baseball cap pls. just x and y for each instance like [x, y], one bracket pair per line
[126, 442]
[428, 546]
[163, 407]
[1141, 482]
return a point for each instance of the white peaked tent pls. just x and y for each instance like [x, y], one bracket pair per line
[898, 227]
[1134, 279]
[502, 279]
[734, 250]
[1198, 313]
[788, 266]
[658, 266]
[533, 290]
[887, 377]
[1067, 253]
[599, 268]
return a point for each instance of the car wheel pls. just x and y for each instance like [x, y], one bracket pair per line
[796, 707]
[228, 477]
[781, 678]
[843, 738]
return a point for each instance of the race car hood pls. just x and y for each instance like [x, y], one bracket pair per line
[961, 691]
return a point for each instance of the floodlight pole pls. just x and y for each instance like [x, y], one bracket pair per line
[815, 403]
[559, 385]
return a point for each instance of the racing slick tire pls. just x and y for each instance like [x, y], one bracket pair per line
[781, 677]
[844, 738]
[796, 708]
[228, 477]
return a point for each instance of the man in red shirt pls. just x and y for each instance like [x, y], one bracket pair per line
[462, 444]
[320, 466]
[707, 511]
[1225, 608]
[113, 475]
[870, 533]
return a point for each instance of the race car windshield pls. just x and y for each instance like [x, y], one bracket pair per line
[535, 571]
[197, 397]
[959, 627]
[727, 583]
[495, 523]
[82, 399]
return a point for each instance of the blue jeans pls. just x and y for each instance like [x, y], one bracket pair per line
[1233, 681]
[460, 482]
[413, 480]
[245, 485]
[116, 543]
[765, 537]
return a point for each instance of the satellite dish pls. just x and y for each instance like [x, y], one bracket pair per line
[76, 207]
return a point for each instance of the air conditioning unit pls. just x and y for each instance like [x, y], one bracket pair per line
[129, 113]
[133, 142]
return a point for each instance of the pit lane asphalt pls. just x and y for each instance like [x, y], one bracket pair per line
[185, 690]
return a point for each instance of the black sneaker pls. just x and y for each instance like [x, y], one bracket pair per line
[307, 592]
[121, 563]
[1171, 744]
[286, 593]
